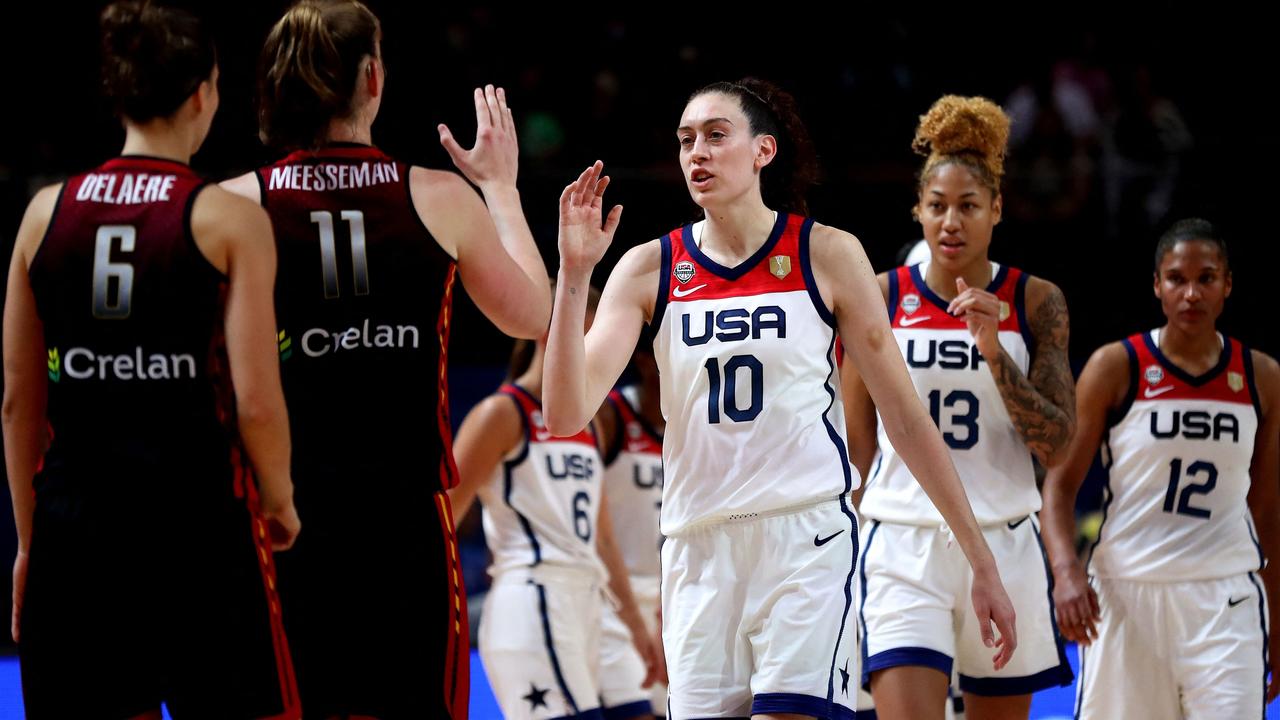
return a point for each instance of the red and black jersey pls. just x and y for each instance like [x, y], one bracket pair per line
[363, 300]
[131, 310]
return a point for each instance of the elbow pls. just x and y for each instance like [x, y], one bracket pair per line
[254, 411]
[559, 423]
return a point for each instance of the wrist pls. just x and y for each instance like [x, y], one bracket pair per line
[499, 191]
[574, 276]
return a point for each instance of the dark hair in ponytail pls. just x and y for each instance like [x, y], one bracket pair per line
[153, 58]
[1188, 230]
[310, 70]
[770, 110]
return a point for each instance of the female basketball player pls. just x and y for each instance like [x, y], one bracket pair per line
[1173, 619]
[761, 542]
[986, 347]
[143, 575]
[369, 247]
[552, 543]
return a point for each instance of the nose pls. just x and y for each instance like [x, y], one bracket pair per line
[700, 149]
[1193, 292]
[951, 220]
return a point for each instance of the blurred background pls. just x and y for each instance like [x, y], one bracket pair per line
[1121, 125]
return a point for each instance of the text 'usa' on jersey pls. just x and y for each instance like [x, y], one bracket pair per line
[363, 302]
[954, 383]
[131, 312]
[542, 507]
[749, 383]
[1177, 456]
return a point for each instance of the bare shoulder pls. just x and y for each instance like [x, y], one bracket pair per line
[438, 188]
[1041, 291]
[826, 242]
[1266, 374]
[35, 221]
[640, 260]
[245, 186]
[220, 211]
[1106, 374]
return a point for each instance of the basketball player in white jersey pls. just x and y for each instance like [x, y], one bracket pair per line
[630, 427]
[1173, 618]
[553, 551]
[986, 347]
[757, 567]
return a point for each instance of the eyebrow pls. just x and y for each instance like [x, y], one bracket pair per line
[708, 121]
[939, 193]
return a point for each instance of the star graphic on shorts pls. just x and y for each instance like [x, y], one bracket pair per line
[844, 678]
[537, 698]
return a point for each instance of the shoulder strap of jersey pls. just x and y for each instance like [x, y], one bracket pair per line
[1133, 347]
[1245, 353]
[664, 276]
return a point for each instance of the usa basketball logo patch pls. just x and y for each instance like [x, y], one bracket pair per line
[910, 303]
[684, 271]
[1154, 374]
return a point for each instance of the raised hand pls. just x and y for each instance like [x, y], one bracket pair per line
[583, 238]
[494, 160]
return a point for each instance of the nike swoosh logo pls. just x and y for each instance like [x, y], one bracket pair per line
[908, 322]
[1014, 525]
[825, 540]
[681, 292]
[1152, 392]
[1232, 602]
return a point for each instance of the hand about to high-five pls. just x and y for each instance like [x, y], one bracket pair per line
[585, 234]
[981, 312]
[494, 160]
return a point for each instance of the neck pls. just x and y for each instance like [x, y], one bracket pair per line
[942, 280]
[352, 130]
[157, 138]
[740, 228]
[1191, 344]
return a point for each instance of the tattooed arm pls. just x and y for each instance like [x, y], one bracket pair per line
[1042, 403]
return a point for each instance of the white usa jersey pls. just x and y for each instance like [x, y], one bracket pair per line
[957, 387]
[633, 479]
[749, 383]
[1177, 456]
[541, 507]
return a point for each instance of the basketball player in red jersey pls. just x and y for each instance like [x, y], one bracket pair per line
[369, 247]
[143, 576]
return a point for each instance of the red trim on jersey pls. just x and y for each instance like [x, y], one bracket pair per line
[758, 280]
[266, 565]
[926, 315]
[1216, 384]
[531, 408]
[644, 441]
[448, 468]
[457, 659]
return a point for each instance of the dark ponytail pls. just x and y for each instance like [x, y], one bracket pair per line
[153, 58]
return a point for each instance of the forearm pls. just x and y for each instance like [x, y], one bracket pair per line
[23, 444]
[508, 217]
[264, 429]
[1058, 520]
[930, 463]
[564, 392]
[619, 578]
[1044, 426]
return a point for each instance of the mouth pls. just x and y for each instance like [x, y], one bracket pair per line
[700, 178]
[951, 246]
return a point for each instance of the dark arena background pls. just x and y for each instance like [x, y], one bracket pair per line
[1121, 125]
